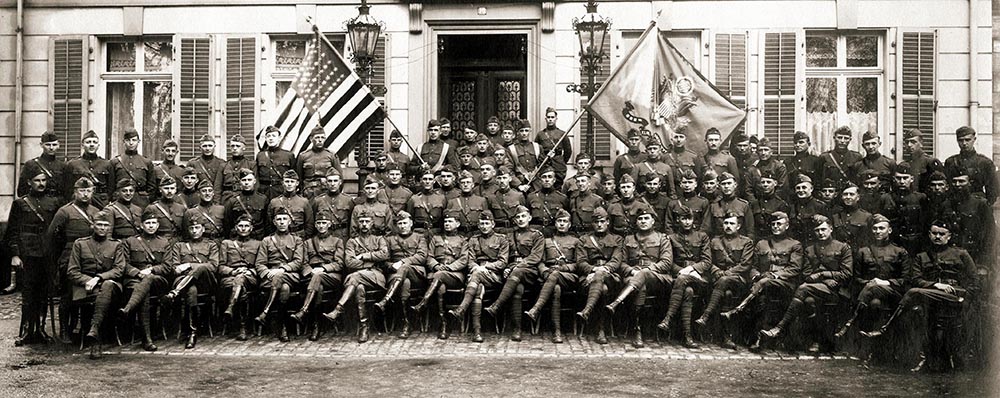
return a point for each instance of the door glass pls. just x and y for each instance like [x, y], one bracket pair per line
[463, 105]
[509, 100]
[158, 55]
[821, 110]
[821, 50]
[862, 104]
[121, 104]
[155, 117]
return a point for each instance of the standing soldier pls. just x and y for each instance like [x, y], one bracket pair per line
[558, 270]
[145, 272]
[767, 164]
[72, 221]
[168, 167]
[484, 151]
[237, 270]
[312, 165]
[692, 256]
[559, 152]
[838, 164]
[380, 214]
[272, 163]
[851, 224]
[766, 201]
[827, 192]
[213, 213]
[363, 255]
[427, 205]
[395, 155]
[689, 198]
[395, 192]
[436, 152]
[982, 171]
[447, 136]
[189, 195]
[338, 203]
[719, 160]
[229, 181]
[874, 194]
[583, 204]
[656, 165]
[55, 169]
[546, 201]
[407, 255]
[507, 136]
[323, 266]
[493, 131]
[829, 265]
[527, 246]
[447, 259]
[248, 202]
[922, 165]
[95, 265]
[802, 207]
[599, 261]
[488, 185]
[525, 154]
[297, 206]
[679, 157]
[975, 223]
[502, 204]
[732, 270]
[628, 162]
[729, 203]
[91, 166]
[623, 213]
[487, 255]
[135, 167]
[207, 165]
[123, 213]
[649, 266]
[710, 185]
[910, 214]
[802, 162]
[29, 216]
[584, 162]
[279, 264]
[873, 159]
[168, 210]
[446, 182]
[744, 150]
[194, 261]
[655, 198]
[468, 205]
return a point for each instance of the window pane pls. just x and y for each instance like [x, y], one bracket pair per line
[158, 55]
[288, 54]
[862, 51]
[821, 110]
[862, 104]
[121, 101]
[821, 51]
[155, 117]
[121, 57]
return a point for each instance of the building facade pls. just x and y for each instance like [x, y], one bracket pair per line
[179, 69]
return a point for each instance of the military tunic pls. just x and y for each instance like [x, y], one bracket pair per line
[799, 217]
[228, 183]
[659, 167]
[411, 251]
[252, 204]
[547, 138]
[311, 167]
[126, 219]
[852, 225]
[209, 168]
[839, 166]
[365, 255]
[802, 163]
[503, 205]
[203, 255]
[55, 170]
[922, 166]
[436, 153]
[448, 258]
[649, 261]
[326, 252]
[137, 168]
[762, 207]
[213, 216]
[829, 266]
[299, 209]
[170, 214]
[628, 163]
[544, 204]
[382, 218]
[271, 165]
[238, 255]
[976, 226]
[97, 170]
[779, 259]
[730, 205]
[397, 196]
[581, 209]
[982, 173]
[427, 209]
[699, 208]
[72, 221]
[25, 237]
[282, 251]
[886, 261]
[90, 258]
[468, 206]
[340, 206]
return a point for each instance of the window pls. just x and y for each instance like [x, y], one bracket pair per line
[731, 68]
[137, 77]
[601, 143]
[195, 95]
[843, 80]
[67, 93]
[241, 90]
[917, 98]
[778, 110]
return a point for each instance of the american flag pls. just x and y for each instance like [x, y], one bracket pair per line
[327, 93]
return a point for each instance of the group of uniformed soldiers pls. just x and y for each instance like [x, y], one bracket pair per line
[493, 218]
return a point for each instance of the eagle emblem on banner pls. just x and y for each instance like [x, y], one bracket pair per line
[671, 102]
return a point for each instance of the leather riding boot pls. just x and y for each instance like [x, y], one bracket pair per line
[509, 288]
[847, 325]
[713, 303]
[339, 309]
[477, 324]
[556, 321]
[621, 298]
[242, 321]
[790, 314]
[593, 294]
[470, 293]
[637, 339]
[686, 310]
[267, 307]
[389, 294]
[192, 327]
[282, 330]
[739, 308]
[181, 285]
[427, 296]
[727, 337]
[405, 333]
[362, 315]
[235, 296]
[515, 318]
[543, 298]
[101, 305]
[601, 337]
[885, 327]
[147, 336]
[299, 316]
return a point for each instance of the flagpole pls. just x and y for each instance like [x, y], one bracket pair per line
[552, 152]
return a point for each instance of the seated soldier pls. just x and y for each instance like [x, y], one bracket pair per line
[599, 261]
[828, 267]
[407, 255]
[145, 273]
[691, 255]
[649, 267]
[95, 265]
[487, 255]
[558, 271]
[732, 270]
[278, 264]
[323, 266]
[194, 262]
[237, 270]
[447, 259]
[523, 269]
[364, 254]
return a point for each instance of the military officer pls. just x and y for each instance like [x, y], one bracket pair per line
[95, 265]
[436, 152]
[558, 270]
[396, 194]
[271, 164]
[189, 196]
[909, 216]
[145, 272]
[228, 182]
[195, 261]
[975, 225]
[689, 198]
[207, 165]
[716, 158]
[168, 167]
[608, 189]
[624, 212]
[311, 165]
[873, 159]
[249, 202]
[691, 254]
[486, 259]
[169, 210]
[679, 157]
[584, 164]
[982, 171]
[875, 198]
[765, 202]
[600, 257]
[363, 255]
[468, 204]
[767, 164]
[124, 214]
[447, 262]
[446, 134]
[488, 185]
[379, 212]
[237, 271]
[656, 165]
[801, 208]
[297, 206]
[483, 152]
[522, 271]
[627, 163]
[826, 192]
[709, 185]
[338, 203]
[729, 203]
[55, 170]
[545, 201]
[426, 206]
[72, 221]
[135, 167]
[851, 224]
[558, 152]
[583, 204]
[279, 264]
[446, 183]
[213, 213]
[525, 155]
[655, 198]
[394, 155]
[493, 131]
[839, 163]
[732, 256]
[323, 266]
[922, 165]
[92, 166]
[407, 255]
[503, 204]
[802, 162]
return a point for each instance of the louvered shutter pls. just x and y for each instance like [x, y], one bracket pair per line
[779, 90]
[195, 104]
[731, 68]
[67, 84]
[602, 136]
[376, 136]
[241, 93]
[918, 82]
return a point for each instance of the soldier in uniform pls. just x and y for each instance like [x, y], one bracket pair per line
[766, 201]
[599, 262]
[446, 134]
[323, 266]
[247, 202]
[312, 165]
[649, 267]
[396, 194]
[559, 152]
[55, 170]
[502, 204]
[692, 255]
[873, 159]
[468, 204]
[135, 167]
[72, 221]
[381, 167]
[436, 152]
[394, 155]
[279, 264]
[483, 152]
[228, 183]
[656, 165]
[688, 198]
[207, 165]
[558, 270]
[716, 158]
[679, 157]
[380, 213]
[145, 272]
[488, 185]
[427, 205]
[91, 166]
[982, 171]
[729, 203]
[583, 204]
[584, 162]
[624, 212]
[29, 216]
[525, 155]
[974, 218]
[909, 216]
[732, 257]
[338, 203]
[939, 197]
[655, 198]
[838, 164]
[710, 185]
[213, 213]
[608, 189]
[827, 192]
[767, 164]
[486, 259]
[874, 199]
[123, 213]
[527, 246]
[195, 262]
[851, 224]
[237, 271]
[546, 201]
[363, 255]
[407, 255]
[627, 163]
[801, 208]
[272, 163]
[448, 260]
[802, 162]
[828, 268]
[95, 265]
[168, 167]
[493, 131]
[446, 182]
[297, 206]
[467, 163]
[922, 165]
[169, 210]
[189, 196]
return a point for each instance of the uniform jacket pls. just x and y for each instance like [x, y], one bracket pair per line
[561, 253]
[271, 166]
[699, 208]
[488, 250]
[447, 251]
[146, 251]
[544, 205]
[649, 249]
[27, 222]
[325, 252]
[238, 253]
[170, 214]
[97, 170]
[410, 249]
[527, 247]
[945, 264]
[71, 222]
[692, 249]
[831, 263]
[717, 212]
[600, 250]
[209, 168]
[279, 250]
[982, 173]
[884, 261]
[373, 249]
[90, 257]
[251, 203]
[135, 167]
[57, 172]
[782, 256]
[126, 219]
[732, 256]
[427, 209]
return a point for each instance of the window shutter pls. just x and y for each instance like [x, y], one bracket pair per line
[779, 90]
[602, 136]
[377, 136]
[67, 94]
[731, 68]
[241, 93]
[918, 82]
[195, 107]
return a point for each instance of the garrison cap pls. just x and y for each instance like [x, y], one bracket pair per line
[937, 175]
[332, 171]
[767, 174]
[741, 137]
[493, 119]
[446, 169]
[393, 166]
[189, 171]
[683, 211]
[49, 136]
[243, 172]
[562, 213]
[868, 174]
[395, 134]
[802, 178]
[653, 143]
[584, 155]
[466, 175]
[549, 110]
[943, 223]
[644, 210]
[102, 215]
[779, 215]
[850, 186]
[546, 170]
[89, 134]
[453, 214]
[482, 137]
[130, 133]
[730, 214]
[149, 214]
[709, 175]
[443, 121]
[626, 178]
[507, 127]
[237, 138]
[464, 151]
[207, 138]
[124, 183]
[912, 134]
[903, 168]
[754, 140]
[196, 219]
[800, 135]
[324, 215]
[869, 135]
[381, 155]
[282, 210]
[167, 181]
[958, 171]
[764, 143]
[503, 170]
[290, 174]
[688, 174]
[486, 215]
[83, 182]
[828, 183]
[521, 209]
[271, 129]
[819, 219]
[523, 124]
[317, 130]
[433, 123]
[633, 133]
[726, 176]
[205, 184]
[878, 218]
[964, 131]
[403, 215]
[600, 214]
[244, 217]
[370, 180]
